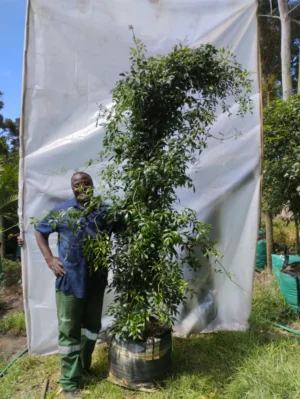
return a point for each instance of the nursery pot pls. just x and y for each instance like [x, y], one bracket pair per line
[139, 365]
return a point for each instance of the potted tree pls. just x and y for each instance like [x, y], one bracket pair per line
[162, 112]
[161, 117]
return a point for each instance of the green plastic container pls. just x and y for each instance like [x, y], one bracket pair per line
[289, 287]
[277, 263]
[261, 255]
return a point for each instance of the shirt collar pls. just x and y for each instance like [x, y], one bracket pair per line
[73, 202]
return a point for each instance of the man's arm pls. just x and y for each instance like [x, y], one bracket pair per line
[52, 261]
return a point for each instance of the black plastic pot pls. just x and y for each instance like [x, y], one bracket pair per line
[140, 365]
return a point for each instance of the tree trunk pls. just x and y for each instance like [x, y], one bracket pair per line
[269, 238]
[2, 240]
[285, 49]
[269, 221]
[297, 236]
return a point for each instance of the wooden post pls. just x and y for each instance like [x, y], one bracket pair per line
[269, 238]
[297, 235]
[44, 388]
[269, 221]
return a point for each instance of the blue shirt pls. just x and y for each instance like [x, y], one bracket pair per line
[80, 280]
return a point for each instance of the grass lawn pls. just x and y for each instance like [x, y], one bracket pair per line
[262, 363]
[14, 323]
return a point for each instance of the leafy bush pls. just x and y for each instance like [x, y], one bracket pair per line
[281, 156]
[161, 117]
[284, 233]
[162, 113]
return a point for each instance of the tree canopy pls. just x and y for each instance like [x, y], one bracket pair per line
[281, 155]
[9, 165]
[163, 110]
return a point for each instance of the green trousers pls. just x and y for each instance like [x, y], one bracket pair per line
[79, 322]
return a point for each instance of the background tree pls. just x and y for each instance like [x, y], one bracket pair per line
[279, 40]
[9, 163]
[270, 44]
[281, 182]
[9, 130]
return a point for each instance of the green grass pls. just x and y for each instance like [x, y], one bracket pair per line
[262, 363]
[15, 323]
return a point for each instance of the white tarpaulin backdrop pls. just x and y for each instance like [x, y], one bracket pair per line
[75, 51]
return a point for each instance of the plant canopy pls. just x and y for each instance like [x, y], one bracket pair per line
[161, 117]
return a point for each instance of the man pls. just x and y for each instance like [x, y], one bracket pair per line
[79, 289]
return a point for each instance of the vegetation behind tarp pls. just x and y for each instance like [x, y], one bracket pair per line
[9, 167]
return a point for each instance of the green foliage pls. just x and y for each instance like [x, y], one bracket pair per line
[9, 189]
[282, 155]
[284, 233]
[162, 113]
[9, 164]
[3, 147]
[1, 102]
[271, 90]
[161, 118]
[96, 250]
[15, 323]
[12, 273]
[9, 132]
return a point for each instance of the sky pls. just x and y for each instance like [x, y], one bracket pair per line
[12, 25]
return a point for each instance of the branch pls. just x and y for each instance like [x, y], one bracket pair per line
[271, 7]
[230, 277]
[270, 16]
[293, 8]
[294, 20]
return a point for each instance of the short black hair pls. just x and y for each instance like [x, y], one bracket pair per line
[81, 173]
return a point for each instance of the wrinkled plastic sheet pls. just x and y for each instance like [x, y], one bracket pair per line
[75, 51]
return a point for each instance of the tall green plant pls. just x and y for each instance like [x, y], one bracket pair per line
[281, 157]
[163, 110]
[161, 117]
[9, 187]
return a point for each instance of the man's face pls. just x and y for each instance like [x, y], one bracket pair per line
[80, 185]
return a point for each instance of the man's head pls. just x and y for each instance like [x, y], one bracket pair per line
[81, 182]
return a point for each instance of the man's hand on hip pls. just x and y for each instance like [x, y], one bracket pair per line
[56, 266]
